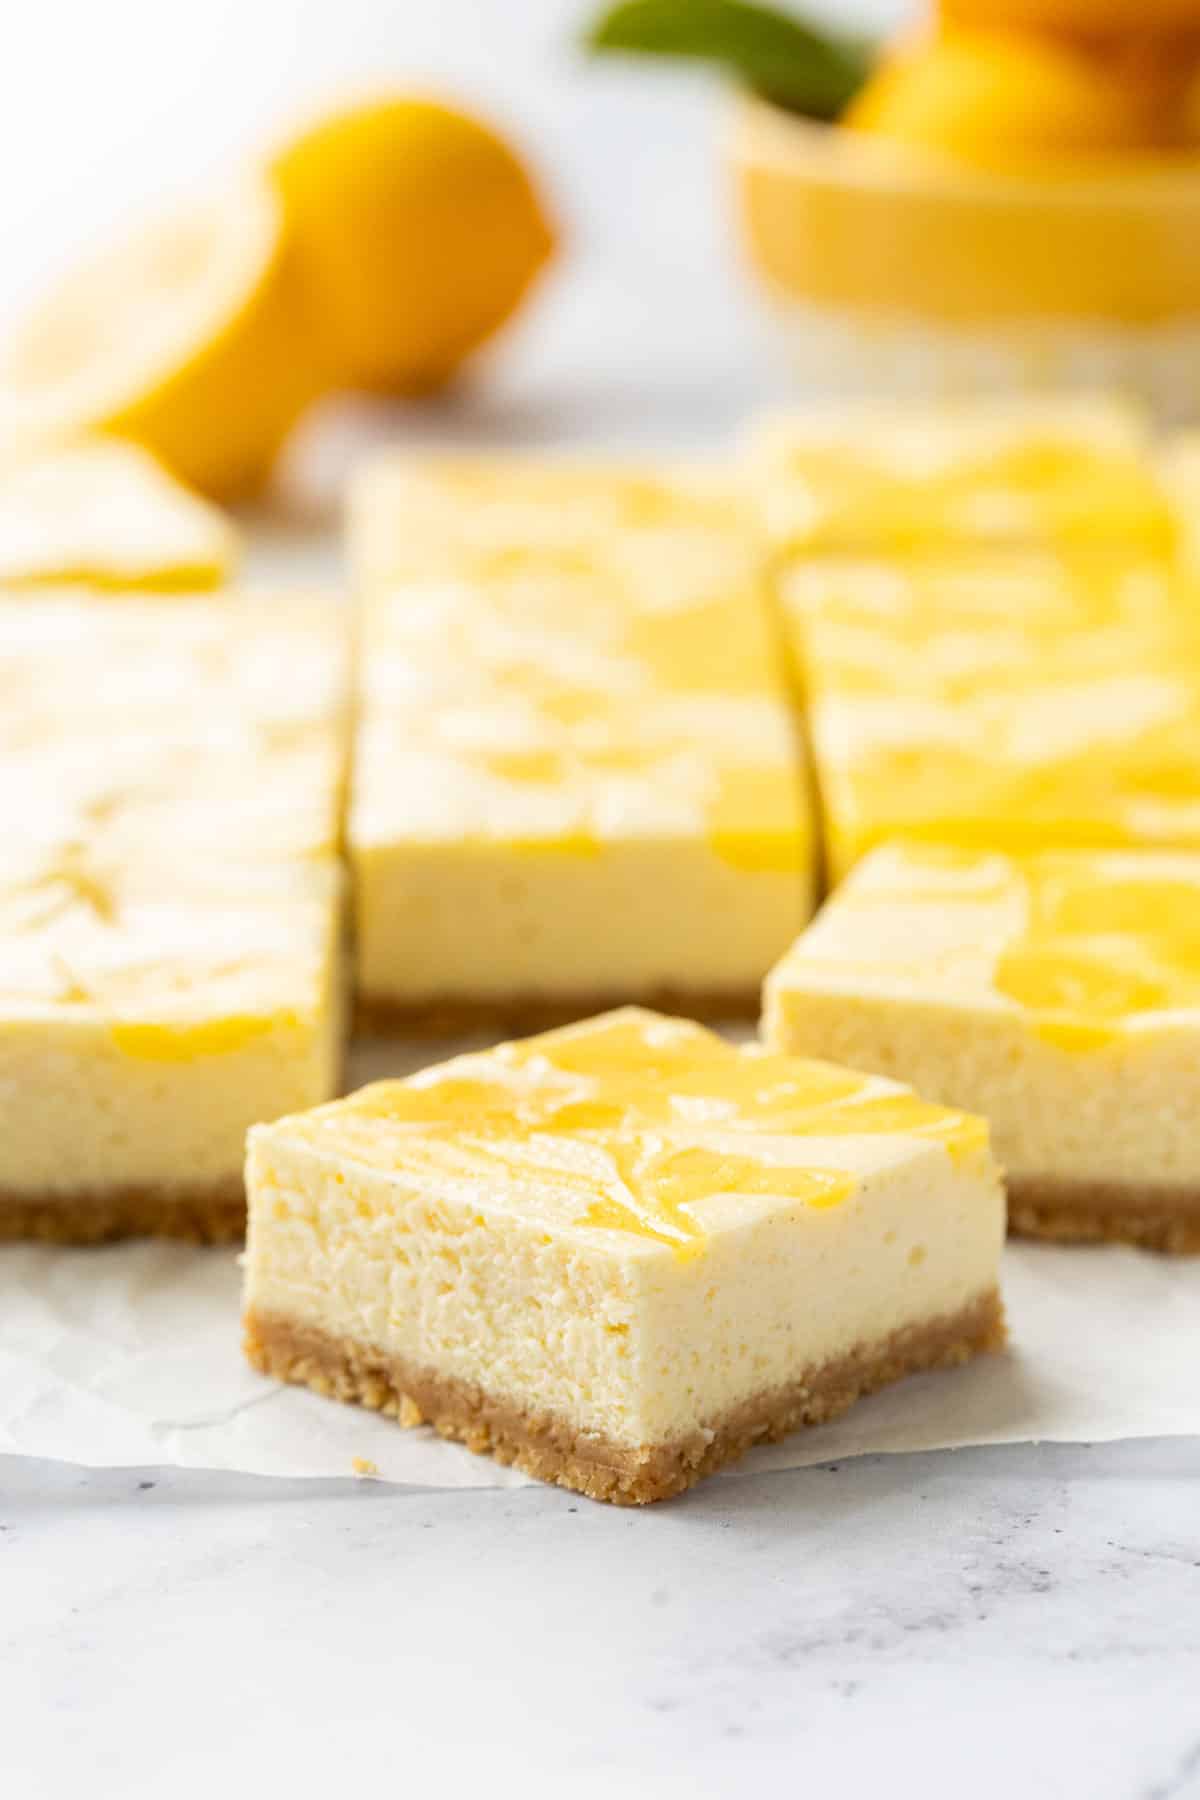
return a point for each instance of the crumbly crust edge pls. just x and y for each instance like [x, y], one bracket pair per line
[1113, 1212]
[377, 1015]
[199, 1213]
[553, 1450]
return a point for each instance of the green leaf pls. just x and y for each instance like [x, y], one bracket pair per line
[796, 65]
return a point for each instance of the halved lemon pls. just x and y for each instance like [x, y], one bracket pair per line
[189, 337]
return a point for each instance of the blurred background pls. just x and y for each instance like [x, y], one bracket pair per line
[645, 327]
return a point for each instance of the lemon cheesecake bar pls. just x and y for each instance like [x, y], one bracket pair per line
[107, 514]
[992, 472]
[170, 902]
[1009, 701]
[148, 1018]
[576, 776]
[1057, 993]
[619, 1254]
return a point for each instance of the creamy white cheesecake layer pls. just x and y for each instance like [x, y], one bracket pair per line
[1076, 1032]
[467, 1249]
[489, 921]
[549, 871]
[627, 1342]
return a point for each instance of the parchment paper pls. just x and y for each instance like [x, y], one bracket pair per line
[130, 1356]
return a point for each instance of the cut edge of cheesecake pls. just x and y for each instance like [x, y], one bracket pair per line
[1152, 1217]
[199, 1213]
[548, 1448]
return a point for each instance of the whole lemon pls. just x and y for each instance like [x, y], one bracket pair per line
[417, 231]
[1006, 98]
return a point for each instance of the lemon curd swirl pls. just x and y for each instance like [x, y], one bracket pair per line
[1063, 473]
[1100, 939]
[175, 976]
[1010, 703]
[596, 635]
[635, 1125]
[1098, 953]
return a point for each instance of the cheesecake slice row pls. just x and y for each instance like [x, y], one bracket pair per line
[619, 1254]
[577, 779]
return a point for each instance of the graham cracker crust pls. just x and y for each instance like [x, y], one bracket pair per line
[547, 1447]
[377, 1015]
[1110, 1212]
[214, 1213]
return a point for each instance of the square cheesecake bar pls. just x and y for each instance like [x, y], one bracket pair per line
[1015, 700]
[621, 1253]
[576, 776]
[107, 514]
[170, 901]
[148, 1017]
[997, 473]
[1057, 993]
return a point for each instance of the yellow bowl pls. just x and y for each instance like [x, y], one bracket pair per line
[894, 271]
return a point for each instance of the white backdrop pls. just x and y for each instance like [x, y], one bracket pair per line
[106, 108]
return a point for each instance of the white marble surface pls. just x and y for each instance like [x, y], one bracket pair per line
[988, 1623]
[983, 1623]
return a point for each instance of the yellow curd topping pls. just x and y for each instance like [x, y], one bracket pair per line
[181, 1042]
[488, 518]
[1008, 702]
[594, 638]
[636, 1120]
[1059, 473]
[1086, 942]
[176, 963]
[1100, 949]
